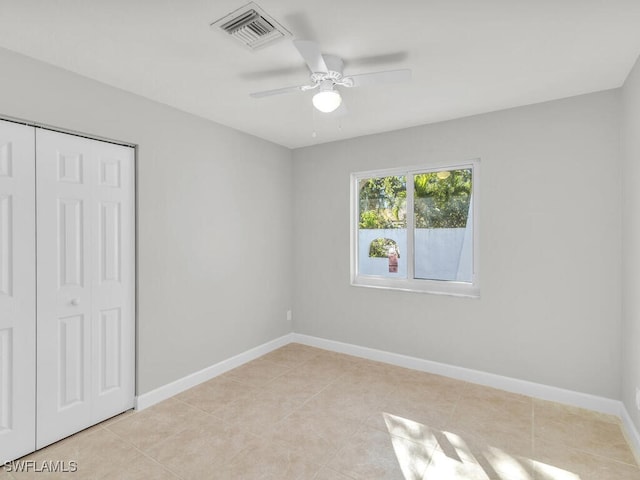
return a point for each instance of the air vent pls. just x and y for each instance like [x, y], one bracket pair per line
[251, 26]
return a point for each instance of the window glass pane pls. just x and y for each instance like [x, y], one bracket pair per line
[382, 226]
[443, 237]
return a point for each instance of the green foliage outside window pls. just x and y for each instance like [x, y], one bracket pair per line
[441, 200]
[379, 248]
[383, 202]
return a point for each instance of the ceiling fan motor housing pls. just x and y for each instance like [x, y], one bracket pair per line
[333, 75]
[326, 85]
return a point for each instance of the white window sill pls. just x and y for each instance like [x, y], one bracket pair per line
[456, 289]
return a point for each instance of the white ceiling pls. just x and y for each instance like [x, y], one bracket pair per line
[467, 56]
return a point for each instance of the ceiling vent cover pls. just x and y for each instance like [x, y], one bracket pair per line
[251, 26]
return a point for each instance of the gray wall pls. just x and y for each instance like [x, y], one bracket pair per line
[631, 242]
[208, 289]
[550, 238]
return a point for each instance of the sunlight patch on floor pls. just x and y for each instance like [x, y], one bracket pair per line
[549, 472]
[426, 453]
[412, 445]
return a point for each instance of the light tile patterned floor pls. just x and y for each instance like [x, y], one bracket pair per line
[305, 413]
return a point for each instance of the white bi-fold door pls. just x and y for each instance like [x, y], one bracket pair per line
[17, 291]
[67, 291]
[85, 283]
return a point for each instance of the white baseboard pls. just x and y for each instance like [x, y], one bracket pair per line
[169, 390]
[631, 432]
[537, 390]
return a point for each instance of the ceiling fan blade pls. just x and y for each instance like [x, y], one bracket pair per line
[273, 73]
[310, 52]
[277, 91]
[389, 76]
[385, 58]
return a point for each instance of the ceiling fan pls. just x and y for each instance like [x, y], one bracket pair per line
[326, 75]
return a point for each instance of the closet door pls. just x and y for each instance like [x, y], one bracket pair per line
[17, 292]
[85, 320]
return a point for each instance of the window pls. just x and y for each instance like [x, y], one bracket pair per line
[415, 229]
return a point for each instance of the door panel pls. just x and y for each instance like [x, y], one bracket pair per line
[17, 291]
[63, 166]
[6, 379]
[85, 250]
[6, 245]
[113, 282]
[70, 240]
[109, 240]
[110, 348]
[72, 361]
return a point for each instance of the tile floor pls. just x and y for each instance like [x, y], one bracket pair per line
[305, 413]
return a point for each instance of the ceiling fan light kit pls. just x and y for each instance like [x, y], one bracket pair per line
[327, 99]
[326, 76]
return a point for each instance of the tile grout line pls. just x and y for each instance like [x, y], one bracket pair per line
[143, 453]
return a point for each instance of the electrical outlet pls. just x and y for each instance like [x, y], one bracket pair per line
[289, 316]
[638, 397]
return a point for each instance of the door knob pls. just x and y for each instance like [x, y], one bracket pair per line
[75, 302]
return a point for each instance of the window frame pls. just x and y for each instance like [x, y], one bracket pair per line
[411, 284]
